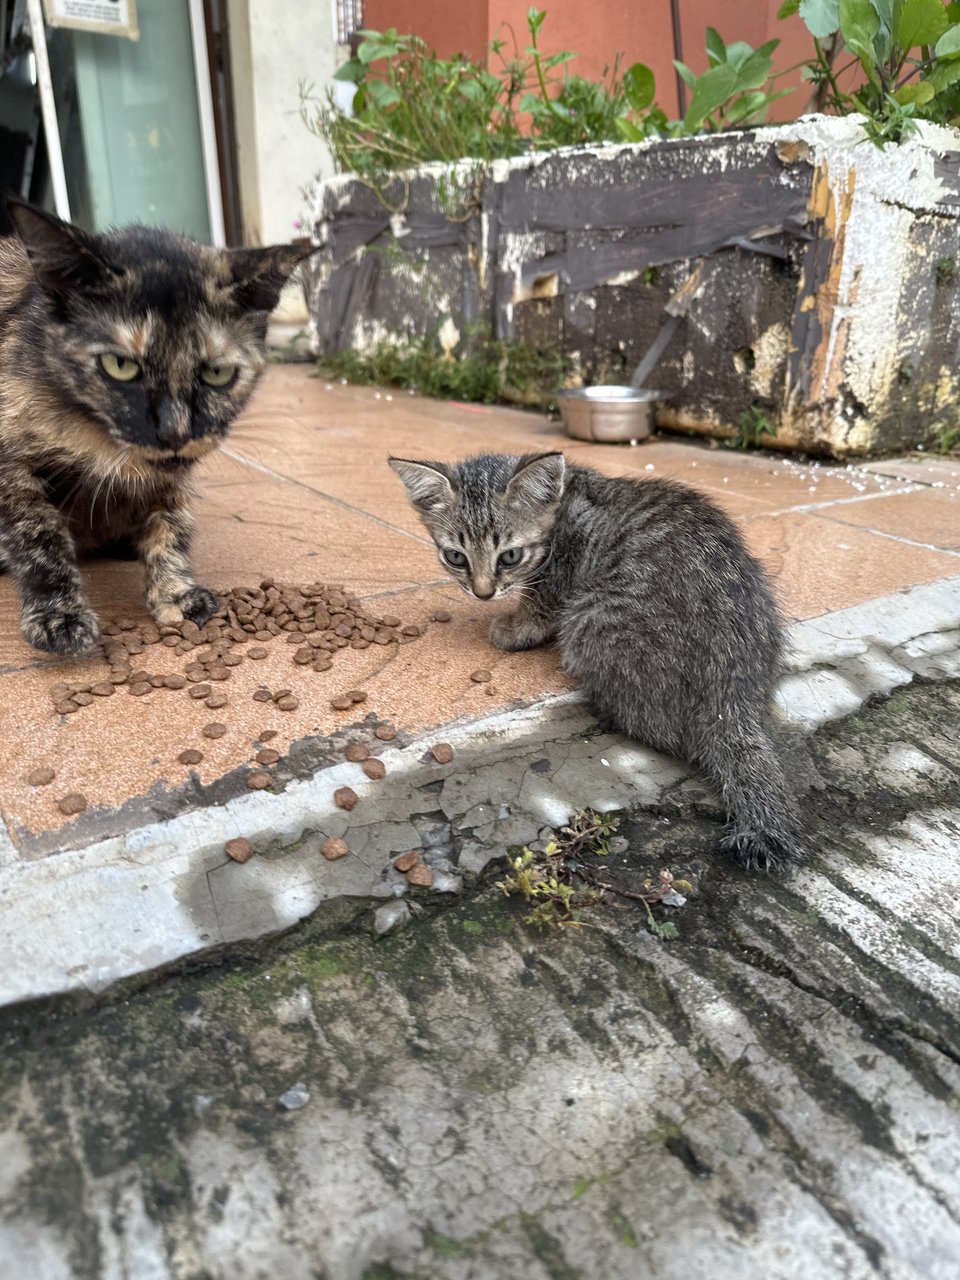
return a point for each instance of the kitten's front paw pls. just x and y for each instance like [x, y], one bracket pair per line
[515, 631]
[65, 631]
[198, 604]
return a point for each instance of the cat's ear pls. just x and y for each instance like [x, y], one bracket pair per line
[430, 484]
[64, 257]
[537, 481]
[258, 275]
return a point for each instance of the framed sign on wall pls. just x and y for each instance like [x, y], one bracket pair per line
[107, 17]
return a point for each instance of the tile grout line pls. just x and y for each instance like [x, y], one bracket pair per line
[896, 537]
[806, 507]
[327, 497]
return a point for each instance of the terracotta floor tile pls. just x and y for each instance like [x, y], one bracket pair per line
[819, 565]
[260, 526]
[930, 516]
[126, 746]
[919, 469]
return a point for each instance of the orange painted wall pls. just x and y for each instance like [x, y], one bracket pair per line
[449, 26]
[640, 30]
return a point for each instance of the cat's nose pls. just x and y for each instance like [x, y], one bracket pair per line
[484, 590]
[173, 423]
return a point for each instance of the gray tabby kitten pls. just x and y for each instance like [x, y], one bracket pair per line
[660, 612]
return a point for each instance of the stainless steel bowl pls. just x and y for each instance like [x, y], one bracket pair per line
[608, 414]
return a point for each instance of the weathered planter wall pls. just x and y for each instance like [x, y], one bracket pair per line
[827, 301]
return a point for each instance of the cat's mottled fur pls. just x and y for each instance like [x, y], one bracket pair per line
[124, 358]
[661, 614]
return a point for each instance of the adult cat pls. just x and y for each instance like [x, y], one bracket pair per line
[660, 612]
[124, 358]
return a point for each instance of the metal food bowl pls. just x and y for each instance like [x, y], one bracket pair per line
[607, 415]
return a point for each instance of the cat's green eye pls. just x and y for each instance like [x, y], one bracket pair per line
[456, 559]
[218, 375]
[119, 368]
[507, 559]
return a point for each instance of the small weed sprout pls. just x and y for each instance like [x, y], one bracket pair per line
[557, 883]
[754, 424]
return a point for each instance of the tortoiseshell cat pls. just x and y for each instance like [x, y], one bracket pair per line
[659, 610]
[124, 358]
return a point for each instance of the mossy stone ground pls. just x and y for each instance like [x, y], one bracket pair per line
[773, 1094]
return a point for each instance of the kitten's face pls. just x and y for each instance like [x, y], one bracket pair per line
[491, 517]
[158, 338]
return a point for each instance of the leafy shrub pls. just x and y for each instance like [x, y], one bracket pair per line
[904, 60]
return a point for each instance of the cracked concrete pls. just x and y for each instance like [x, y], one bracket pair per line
[771, 1096]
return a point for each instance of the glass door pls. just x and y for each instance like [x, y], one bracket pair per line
[131, 123]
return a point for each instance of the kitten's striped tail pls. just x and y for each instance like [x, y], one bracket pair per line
[763, 823]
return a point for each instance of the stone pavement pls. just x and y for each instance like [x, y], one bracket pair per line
[770, 1096]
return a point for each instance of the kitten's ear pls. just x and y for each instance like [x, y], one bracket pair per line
[64, 257]
[429, 484]
[258, 275]
[537, 481]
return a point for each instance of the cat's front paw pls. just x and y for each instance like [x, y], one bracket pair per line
[515, 631]
[197, 604]
[65, 631]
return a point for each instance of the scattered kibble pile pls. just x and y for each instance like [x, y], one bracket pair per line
[319, 619]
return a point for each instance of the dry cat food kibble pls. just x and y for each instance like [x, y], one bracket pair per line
[334, 847]
[317, 618]
[357, 752]
[442, 752]
[190, 756]
[259, 779]
[385, 732]
[214, 730]
[267, 756]
[374, 768]
[216, 701]
[345, 797]
[72, 804]
[441, 615]
[407, 860]
[420, 874]
[481, 676]
[41, 777]
[266, 735]
[239, 849]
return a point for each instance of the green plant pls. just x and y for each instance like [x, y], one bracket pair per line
[734, 90]
[412, 107]
[489, 369]
[947, 437]
[754, 423]
[904, 60]
[580, 111]
[546, 878]
[558, 882]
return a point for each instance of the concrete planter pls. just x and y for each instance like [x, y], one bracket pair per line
[826, 306]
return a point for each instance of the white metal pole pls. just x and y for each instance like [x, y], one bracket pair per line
[208, 130]
[48, 109]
